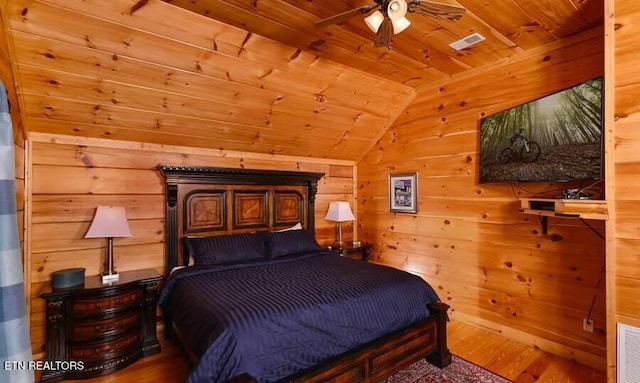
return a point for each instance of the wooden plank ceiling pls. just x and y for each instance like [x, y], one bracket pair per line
[252, 75]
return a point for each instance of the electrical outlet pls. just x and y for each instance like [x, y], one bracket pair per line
[587, 325]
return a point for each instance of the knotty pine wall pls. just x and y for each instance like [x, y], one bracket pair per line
[624, 68]
[72, 176]
[491, 263]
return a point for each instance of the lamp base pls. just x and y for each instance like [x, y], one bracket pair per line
[110, 278]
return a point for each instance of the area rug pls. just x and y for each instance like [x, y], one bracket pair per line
[459, 371]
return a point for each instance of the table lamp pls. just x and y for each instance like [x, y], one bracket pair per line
[339, 211]
[109, 222]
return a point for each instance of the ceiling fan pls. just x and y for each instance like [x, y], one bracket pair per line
[390, 19]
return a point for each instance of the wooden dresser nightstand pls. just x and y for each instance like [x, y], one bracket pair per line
[352, 249]
[106, 327]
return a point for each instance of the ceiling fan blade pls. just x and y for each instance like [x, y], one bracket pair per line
[345, 15]
[447, 12]
[384, 34]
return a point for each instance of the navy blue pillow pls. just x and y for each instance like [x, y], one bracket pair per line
[225, 249]
[290, 242]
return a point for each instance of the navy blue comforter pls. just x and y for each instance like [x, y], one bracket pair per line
[271, 319]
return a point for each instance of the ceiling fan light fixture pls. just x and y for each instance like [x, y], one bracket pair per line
[390, 18]
[400, 25]
[374, 20]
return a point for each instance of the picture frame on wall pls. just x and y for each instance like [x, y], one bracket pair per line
[403, 193]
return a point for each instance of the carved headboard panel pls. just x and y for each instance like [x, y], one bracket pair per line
[204, 201]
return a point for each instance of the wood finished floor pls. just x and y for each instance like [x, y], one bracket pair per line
[512, 360]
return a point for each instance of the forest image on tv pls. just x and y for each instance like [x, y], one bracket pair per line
[554, 138]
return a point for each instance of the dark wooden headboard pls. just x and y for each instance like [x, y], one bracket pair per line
[205, 201]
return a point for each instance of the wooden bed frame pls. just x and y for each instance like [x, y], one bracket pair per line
[205, 201]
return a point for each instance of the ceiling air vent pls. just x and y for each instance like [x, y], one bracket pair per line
[467, 41]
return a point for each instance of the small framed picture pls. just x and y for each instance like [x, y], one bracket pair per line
[403, 193]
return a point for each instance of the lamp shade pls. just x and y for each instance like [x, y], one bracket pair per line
[339, 211]
[396, 9]
[374, 20]
[400, 25]
[109, 222]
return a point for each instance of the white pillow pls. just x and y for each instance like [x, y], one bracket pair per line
[297, 226]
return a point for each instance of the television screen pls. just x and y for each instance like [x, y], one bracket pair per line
[554, 138]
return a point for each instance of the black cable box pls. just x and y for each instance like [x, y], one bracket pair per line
[542, 205]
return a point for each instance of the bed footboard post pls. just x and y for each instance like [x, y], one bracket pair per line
[441, 357]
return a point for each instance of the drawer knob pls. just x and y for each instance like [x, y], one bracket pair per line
[108, 306]
[107, 350]
[103, 328]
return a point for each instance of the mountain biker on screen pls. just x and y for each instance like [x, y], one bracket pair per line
[521, 148]
[516, 138]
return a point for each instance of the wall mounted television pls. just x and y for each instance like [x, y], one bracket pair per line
[561, 138]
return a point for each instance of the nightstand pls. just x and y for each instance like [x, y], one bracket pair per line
[352, 249]
[105, 327]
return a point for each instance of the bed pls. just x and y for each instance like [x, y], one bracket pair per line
[290, 310]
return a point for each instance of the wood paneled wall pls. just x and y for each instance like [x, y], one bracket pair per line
[624, 68]
[491, 263]
[72, 176]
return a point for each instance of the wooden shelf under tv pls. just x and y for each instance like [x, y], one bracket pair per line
[568, 208]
